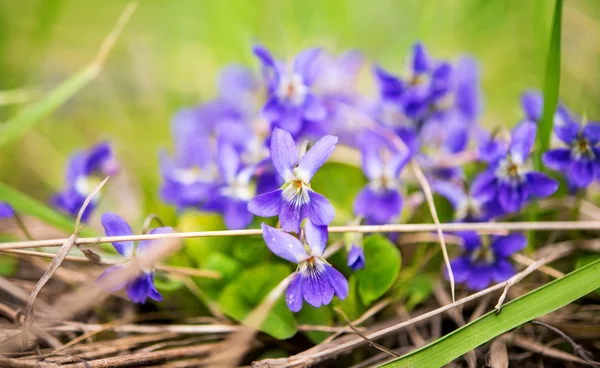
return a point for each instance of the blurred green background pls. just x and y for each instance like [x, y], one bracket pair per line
[170, 53]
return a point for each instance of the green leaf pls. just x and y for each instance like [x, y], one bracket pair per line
[201, 248]
[340, 183]
[8, 266]
[310, 315]
[534, 304]
[551, 85]
[382, 264]
[167, 284]
[22, 203]
[419, 288]
[586, 259]
[351, 305]
[243, 295]
[250, 250]
[229, 269]
[34, 113]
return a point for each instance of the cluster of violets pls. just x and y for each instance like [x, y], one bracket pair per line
[253, 150]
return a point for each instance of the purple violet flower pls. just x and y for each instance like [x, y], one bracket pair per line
[468, 207]
[356, 258]
[510, 179]
[316, 280]
[295, 199]
[232, 198]
[6, 210]
[380, 201]
[580, 161]
[482, 262]
[189, 176]
[291, 103]
[142, 287]
[84, 171]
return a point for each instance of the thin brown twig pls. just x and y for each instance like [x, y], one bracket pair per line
[481, 227]
[577, 349]
[356, 331]
[526, 261]
[185, 271]
[366, 315]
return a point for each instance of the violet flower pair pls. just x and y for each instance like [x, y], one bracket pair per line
[141, 287]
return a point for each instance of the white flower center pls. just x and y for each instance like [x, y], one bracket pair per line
[469, 207]
[483, 254]
[291, 89]
[296, 193]
[582, 148]
[240, 188]
[391, 115]
[512, 170]
[84, 185]
[193, 175]
[312, 267]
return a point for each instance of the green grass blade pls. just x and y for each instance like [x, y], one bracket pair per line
[35, 112]
[534, 304]
[22, 203]
[551, 85]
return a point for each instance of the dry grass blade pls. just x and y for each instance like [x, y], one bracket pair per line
[480, 227]
[498, 355]
[561, 249]
[184, 271]
[54, 265]
[429, 197]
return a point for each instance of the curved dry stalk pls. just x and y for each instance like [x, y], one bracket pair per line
[54, 265]
[436, 220]
[480, 227]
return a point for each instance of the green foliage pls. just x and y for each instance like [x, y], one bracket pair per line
[534, 304]
[29, 116]
[229, 269]
[22, 203]
[352, 305]
[250, 250]
[419, 288]
[340, 183]
[310, 315]
[199, 249]
[241, 296]
[8, 266]
[551, 85]
[381, 268]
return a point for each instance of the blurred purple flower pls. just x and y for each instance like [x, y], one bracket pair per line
[580, 161]
[380, 201]
[233, 196]
[84, 171]
[6, 210]
[291, 103]
[510, 179]
[295, 200]
[316, 280]
[189, 176]
[356, 258]
[142, 287]
[468, 207]
[481, 263]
